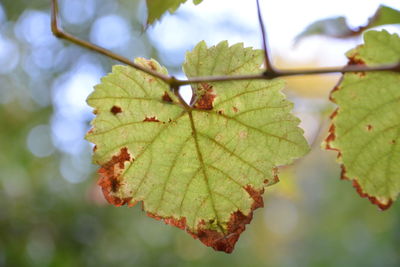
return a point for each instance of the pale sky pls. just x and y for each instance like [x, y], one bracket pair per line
[236, 21]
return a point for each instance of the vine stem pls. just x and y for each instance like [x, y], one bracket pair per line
[60, 33]
[269, 73]
[267, 58]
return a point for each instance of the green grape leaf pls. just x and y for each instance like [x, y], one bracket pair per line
[337, 27]
[203, 168]
[365, 127]
[157, 8]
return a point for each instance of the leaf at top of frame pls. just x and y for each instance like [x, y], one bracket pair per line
[202, 169]
[365, 127]
[157, 8]
[337, 27]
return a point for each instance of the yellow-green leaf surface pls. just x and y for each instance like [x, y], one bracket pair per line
[202, 169]
[366, 126]
[157, 8]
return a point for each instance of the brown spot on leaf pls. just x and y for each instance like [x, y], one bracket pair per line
[206, 97]
[393, 142]
[235, 109]
[94, 148]
[115, 110]
[360, 73]
[152, 65]
[275, 178]
[243, 134]
[151, 119]
[166, 98]
[110, 179]
[354, 60]
[369, 127]
[220, 112]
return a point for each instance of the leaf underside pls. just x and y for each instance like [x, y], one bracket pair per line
[202, 169]
[365, 127]
[157, 8]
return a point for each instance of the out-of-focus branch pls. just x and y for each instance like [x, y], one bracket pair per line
[269, 73]
[60, 33]
[267, 59]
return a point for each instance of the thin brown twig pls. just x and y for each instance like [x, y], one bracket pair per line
[60, 33]
[267, 60]
[176, 83]
[282, 73]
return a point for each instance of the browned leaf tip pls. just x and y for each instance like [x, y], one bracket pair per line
[212, 238]
[110, 179]
[206, 97]
[373, 200]
[115, 110]
[357, 186]
[236, 225]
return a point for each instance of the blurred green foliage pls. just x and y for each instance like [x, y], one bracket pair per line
[48, 218]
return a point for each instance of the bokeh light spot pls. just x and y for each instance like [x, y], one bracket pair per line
[39, 141]
[77, 11]
[9, 55]
[111, 31]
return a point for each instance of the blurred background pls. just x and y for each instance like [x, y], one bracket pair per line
[52, 213]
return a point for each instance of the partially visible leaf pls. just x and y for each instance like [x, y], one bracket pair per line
[157, 8]
[202, 169]
[338, 28]
[384, 16]
[366, 126]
